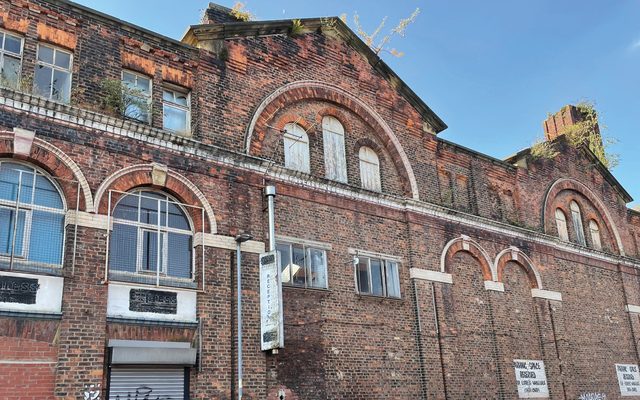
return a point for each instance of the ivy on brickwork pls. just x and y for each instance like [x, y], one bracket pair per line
[587, 132]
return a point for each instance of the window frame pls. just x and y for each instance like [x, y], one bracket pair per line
[596, 239]
[378, 177]
[20, 56]
[54, 68]
[306, 247]
[166, 103]
[28, 209]
[384, 262]
[578, 227]
[340, 167]
[138, 75]
[563, 234]
[141, 227]
[291, 136]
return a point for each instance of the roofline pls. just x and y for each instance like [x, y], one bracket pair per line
[229, 30]
[100, 15]
[497, 161]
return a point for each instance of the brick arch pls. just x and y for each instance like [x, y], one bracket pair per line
[517, 256]
[466, 244]
[305, 90]
[576, 186]
[337, 114]
[140, 176]
[58, 165]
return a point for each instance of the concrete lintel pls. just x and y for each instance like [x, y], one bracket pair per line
[87, 220]
[493, 285]
[632, 309]
[428, 275]
[227, 242]
[546, 294]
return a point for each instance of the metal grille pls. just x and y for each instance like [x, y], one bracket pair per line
[146, 383]
[151, 239]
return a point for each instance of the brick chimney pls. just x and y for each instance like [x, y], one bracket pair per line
[217, 14]
[568, 115]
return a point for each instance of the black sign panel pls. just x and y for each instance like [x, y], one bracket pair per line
[18, 290]
[155, 301]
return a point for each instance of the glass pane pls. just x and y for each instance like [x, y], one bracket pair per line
[143, 84]
[318, 267]
[177, 218]
[363, 275]
[149, 203]
[7, 222]
[167, 95]
[297, 266]
[9, 180]
[175, 119]
[393, 280]
[1, 40]
[136, 108]
[179, 249]
[47, 231]
[123, 248]
[376, 278]
[10, 72]
[150, 250]
[45, 54]
[13, 44]
[63, 59]
[182, 100]
[128, 78]
[42, 81]
[61, 86]
[285, 260]
[46, 194]
[127, 208]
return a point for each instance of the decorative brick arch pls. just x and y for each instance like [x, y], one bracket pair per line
[56, 163]
[305, 90]
[574, 185]
[517, 256]
[137, 176]
[466, 244]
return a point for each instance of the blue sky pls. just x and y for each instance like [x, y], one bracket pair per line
[492, 70]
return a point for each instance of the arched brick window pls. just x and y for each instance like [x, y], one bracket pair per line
[35, 237]
[594, 230]
[334, 153]
[296, 148]
[561, 224]
[576, 217]
[369, 169]
[152, 235]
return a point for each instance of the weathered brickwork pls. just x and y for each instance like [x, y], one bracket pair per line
[483, 277]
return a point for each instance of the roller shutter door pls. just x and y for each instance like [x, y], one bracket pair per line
[147, 383]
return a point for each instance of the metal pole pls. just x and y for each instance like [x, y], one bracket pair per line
[239, 318]
[15, 222]
[270, 192]
[106, 260]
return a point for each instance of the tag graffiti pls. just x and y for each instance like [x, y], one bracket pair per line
[592, 396]
[142, 393]
[91, 392]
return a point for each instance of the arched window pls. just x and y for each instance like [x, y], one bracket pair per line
[576, 216]
[151, 235]
[36, 236]
[369, 169]
[334, 155]
[296, 148]
[594, 229]
[561, 224]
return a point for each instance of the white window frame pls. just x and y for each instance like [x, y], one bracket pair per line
[166, 103]
[385, 285]
[149, 97]
[561, 224]
[55, 67]
[290, 139]
[576, 217]
[19, 56]
[164, 231]
[28, 209]
[333, 128]
[365, 158]
[596, 238]
[306, 248]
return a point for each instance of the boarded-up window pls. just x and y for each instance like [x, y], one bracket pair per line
[561, 224]
[334, 155]
[595, 235]
[296, 148]
[576, 216]
[369, 169]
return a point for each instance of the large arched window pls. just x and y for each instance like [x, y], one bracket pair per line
[594, 229]
[151, 235]
[576, 217]
[36, 235]
[561, 224]
[296, 148]
[335, 161]
[369, 169]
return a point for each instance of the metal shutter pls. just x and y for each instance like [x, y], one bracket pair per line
[146, 383]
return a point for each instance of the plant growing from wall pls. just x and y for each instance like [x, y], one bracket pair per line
[296, 28]
[122, 100]
[240, 12]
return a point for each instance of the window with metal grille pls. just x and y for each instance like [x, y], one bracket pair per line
[32, 214]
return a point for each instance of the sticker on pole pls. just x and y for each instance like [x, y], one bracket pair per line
[270, 302]
[531, 379]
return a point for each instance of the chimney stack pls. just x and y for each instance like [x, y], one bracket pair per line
[568, 115]
[217, 14]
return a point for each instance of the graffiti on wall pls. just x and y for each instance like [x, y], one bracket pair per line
[592, 396]
[91, 392]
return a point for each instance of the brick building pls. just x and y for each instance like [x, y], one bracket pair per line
[412, 267]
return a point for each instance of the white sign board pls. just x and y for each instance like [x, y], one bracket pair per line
[271, 327]
[531, 379]
[628, 379]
